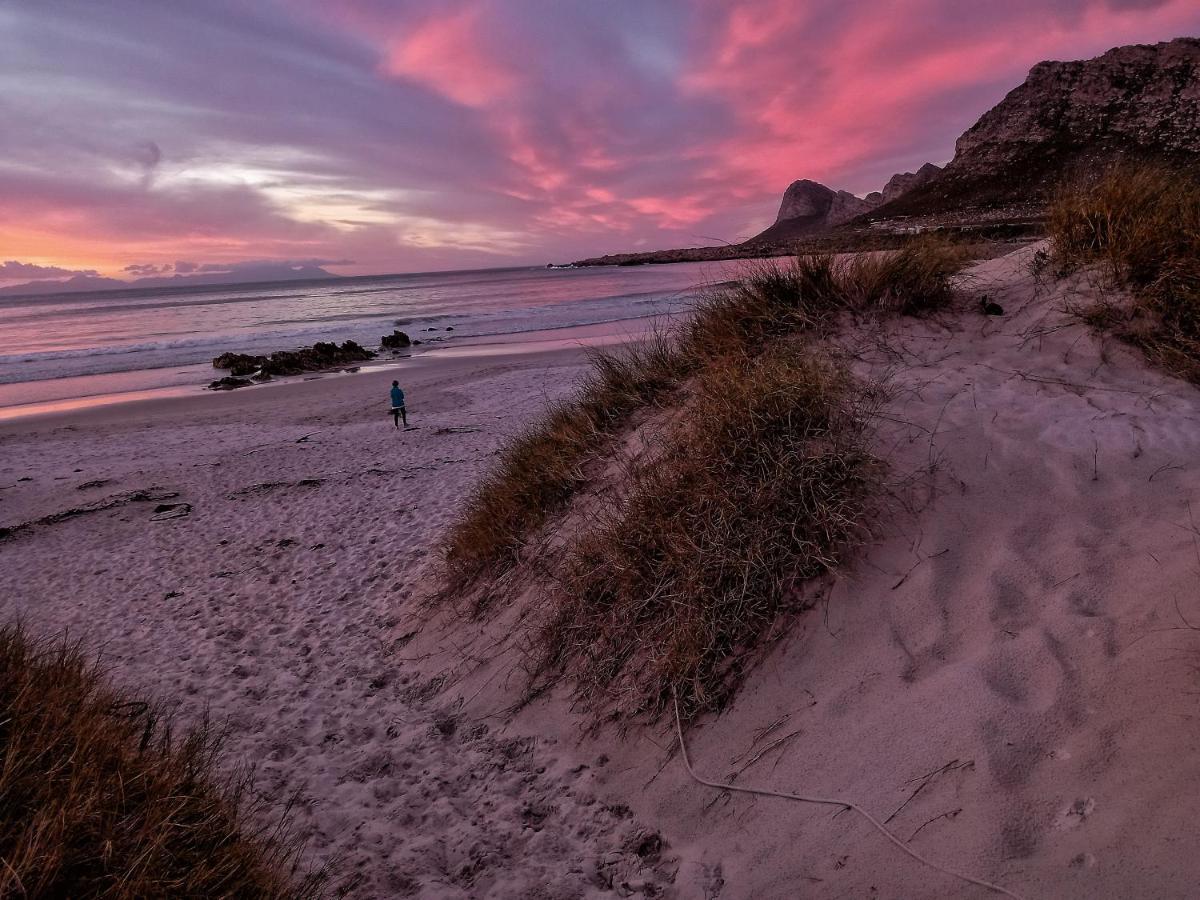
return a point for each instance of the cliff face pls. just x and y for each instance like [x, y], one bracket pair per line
[907, 181]
[1131, 98]
[1140, 101]
[809, 207]
[811, 200]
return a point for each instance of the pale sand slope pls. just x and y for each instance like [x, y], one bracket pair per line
[276, 604]
[1006, 675]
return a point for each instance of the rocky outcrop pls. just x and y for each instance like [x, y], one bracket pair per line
[239, 364]
[397, 340]
[321, 355]
[810, 207]
[903, 182]
[813, 201]
[1135, 102]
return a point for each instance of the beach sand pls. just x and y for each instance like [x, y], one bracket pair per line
[1005, 673]
[274, 606]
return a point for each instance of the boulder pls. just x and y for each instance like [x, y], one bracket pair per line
[397, 340]
[229, 383]
[239, 363]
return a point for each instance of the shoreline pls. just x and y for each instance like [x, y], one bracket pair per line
[472, 346]
[302, 523]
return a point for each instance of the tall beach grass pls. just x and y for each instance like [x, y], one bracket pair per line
[759, 479]
[543, 467]
[1141, 223]
[100, 798]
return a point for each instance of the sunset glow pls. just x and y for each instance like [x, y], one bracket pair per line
[378, 136]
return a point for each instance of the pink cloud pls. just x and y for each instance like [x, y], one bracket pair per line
[447, 55]
[531, 130]
[818, 103]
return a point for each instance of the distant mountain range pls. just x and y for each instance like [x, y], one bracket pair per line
[1140, 102]
[239, 273]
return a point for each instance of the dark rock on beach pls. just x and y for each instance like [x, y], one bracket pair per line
[321, 355]
[229, 383]
[397, 340]
[239, 364]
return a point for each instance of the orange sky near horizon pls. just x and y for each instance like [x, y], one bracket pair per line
[372, 136]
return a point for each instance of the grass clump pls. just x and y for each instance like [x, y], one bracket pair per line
[1141, 222]
[544, 466]
[96, 800]
[760, 484]
[807, 293]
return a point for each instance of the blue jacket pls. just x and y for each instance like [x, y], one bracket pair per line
[397, 397]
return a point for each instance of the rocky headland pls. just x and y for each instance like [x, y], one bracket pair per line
[1068, 119]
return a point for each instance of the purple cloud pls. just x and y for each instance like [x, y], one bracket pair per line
[408, 136]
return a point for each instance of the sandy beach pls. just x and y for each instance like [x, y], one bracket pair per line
[1005, 674]
[276, 603]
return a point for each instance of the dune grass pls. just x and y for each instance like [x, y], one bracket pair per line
[1141, 223]
[757, 478]
[761, 484]
[543, 467]
[99, 799]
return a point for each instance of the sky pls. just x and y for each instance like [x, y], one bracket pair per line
[165, 138]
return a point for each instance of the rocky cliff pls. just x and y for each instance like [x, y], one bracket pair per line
[1135, 102]
[907, 181]
[810, 208]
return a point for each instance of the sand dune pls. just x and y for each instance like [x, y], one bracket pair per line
[1006, 674]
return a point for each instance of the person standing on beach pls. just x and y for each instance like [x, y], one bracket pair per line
[398, 412]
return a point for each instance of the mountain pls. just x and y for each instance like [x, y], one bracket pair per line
[1139, 102]
[810, 208]
[1135, 102]
[235, 273]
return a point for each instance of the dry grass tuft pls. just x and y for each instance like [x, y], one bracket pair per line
[543, 467]
[98, 799]
[807, 293]
[761, 484]
[1141, 222]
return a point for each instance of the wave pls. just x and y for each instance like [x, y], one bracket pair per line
[366, 327]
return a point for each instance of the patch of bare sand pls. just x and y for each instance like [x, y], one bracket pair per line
[277, 604]
[1006, 676]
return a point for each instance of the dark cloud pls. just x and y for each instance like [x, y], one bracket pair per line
[13, 271]
[140, 269]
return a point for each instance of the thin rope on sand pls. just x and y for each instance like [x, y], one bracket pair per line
[828, 801]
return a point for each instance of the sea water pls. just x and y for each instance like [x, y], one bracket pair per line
[73, 346]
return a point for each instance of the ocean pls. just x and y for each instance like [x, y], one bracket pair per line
[68, 347]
